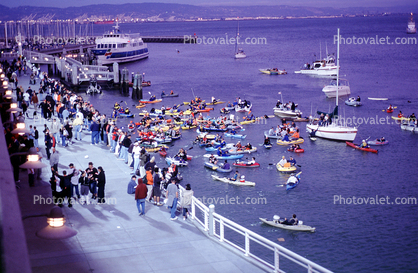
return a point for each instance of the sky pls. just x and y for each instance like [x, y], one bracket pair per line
[312, 3]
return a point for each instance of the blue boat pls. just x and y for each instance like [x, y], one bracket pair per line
[227, 157]
[217, 168]
[235, 136]
[293, 185]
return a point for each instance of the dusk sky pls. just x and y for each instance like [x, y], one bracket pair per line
[314, 3]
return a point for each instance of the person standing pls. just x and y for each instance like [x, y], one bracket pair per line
[48, 143]
[74, 181]
[140, 195]
[95, 130]
[186, 200]
[136, 151]
[77, 123]
[157, 187]
[150, 183]
[66, 186]
[132, 185]
[101, 181]
[172, 195]
[55, 127]
[54, 159]
[35, 137]
[85, 187]
[92, 173]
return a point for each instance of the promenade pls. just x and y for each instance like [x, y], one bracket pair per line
[112, 237]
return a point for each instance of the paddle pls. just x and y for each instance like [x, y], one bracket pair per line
[191, 147]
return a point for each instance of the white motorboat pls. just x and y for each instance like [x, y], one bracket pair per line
[276, 223]
[286, 113]
[333, 131]
[241, 182]
[243, 107]
[239, 52]
[411, 29]
[325, 67]
[330, 90]
[119, 47]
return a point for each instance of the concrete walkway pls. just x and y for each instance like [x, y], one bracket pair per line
[112, 237]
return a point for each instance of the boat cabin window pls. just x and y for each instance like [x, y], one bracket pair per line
[317, 65]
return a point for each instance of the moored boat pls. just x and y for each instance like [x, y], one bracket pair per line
[330, 90]
[273, 71]
[352, 102]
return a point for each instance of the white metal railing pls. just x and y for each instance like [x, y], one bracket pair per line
[37, 57]
[212, 220]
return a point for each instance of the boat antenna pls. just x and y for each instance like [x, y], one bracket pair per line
[281, 96]
[117, 26]
[338, 65]
[320, 56]
[193, 94]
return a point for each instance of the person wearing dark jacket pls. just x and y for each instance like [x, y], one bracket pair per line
[95, 132]
[101, 181]
[126, 142]
[140, 195]
[85, 187]
[65, 183]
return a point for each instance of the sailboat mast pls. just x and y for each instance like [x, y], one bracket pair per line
[338, 65]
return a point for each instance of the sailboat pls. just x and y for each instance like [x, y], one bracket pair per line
[333, 131]
[411, 29]
[239, 52]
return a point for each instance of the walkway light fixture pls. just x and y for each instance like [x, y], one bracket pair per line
[56, 228]
[20, 129]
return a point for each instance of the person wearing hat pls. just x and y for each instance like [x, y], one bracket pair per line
[292, 161]
[364, 144]
[292, 179]
[283, 161]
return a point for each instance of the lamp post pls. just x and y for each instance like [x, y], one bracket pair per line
[33, 162]
[20, 129]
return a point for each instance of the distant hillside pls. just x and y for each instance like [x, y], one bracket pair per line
[181, 11]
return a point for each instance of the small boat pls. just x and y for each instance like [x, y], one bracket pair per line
[377, 142]
[242, 151]
[235, 136]
[273, 71]
[246, 164]
[215, 103]
[150, 101]
[214, 149]
[389, 110]
[247, 122]
[290, 185]
[287, 168]
[242, 108]
[266, 134]
[286, 113]
[377, 98]
[296, 150]
[409, 127]
[227, 157]
[324, 67]
[352, 102]
[360, 148]
[411, 28]
[146, 84]
[276, 223]
[177, 162]
[267, 146]
[169, 95]
[239, 52]
[163, 153]
[123, 115]
[217, 168]
[312, 138]
[229, 181]
[296, 141]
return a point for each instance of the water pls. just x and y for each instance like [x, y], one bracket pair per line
[348, 238]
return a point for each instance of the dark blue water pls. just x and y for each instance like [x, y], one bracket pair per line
[348, 238]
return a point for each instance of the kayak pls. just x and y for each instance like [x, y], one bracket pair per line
[242, 151]
[227, 157]
[217, 168]
[377, 142]
[188, 127]
[163, 153]
[237, 182]
[272, 71]
[140, 105]
[188, 102]
[299, 227]
[267, 146]
[235, 136]
[150, 101]
[296, 141]
[176, 162]
[296, 150]
[169, 95]
[290, 186]
[214, 103]
[312, 138]
[127, 115]
[286, 168]
[214, 149]
[389, 110]
[266, 134]
[377, 98]
[247, 122]
[359, 148]
[246, 164]
[213, 129]
[400, 118]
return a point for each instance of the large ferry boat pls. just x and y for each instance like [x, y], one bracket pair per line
[411, 29]
[119, 47]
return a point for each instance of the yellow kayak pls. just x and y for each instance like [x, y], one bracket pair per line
[296, 141]
[286, 168]
[188, 102]
[402, 118]
[247, 122]
[214, 103]
[188, 127]
[140, 105]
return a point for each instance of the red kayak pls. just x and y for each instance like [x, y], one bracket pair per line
[189, 157]
[359, 148]
[296, 150]
[389, 110]
[246, 164]
[163, 153]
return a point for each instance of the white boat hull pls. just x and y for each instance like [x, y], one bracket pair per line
[240, 56]
[333, 132]
[331, 91]
[289, 227]
[104, 60]
[228, 181]
[286, 113]
[319, 72]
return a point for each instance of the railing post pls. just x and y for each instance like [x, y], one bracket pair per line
[211, 221]
[247, 244]
[193, 209]
[276, 260]
[221, 230]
